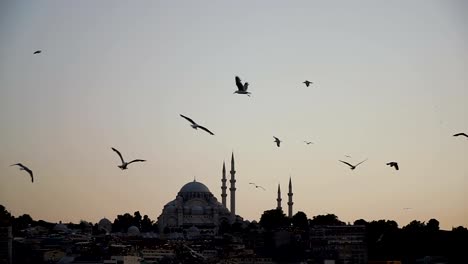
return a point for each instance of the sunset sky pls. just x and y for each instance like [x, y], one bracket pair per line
[390, 84]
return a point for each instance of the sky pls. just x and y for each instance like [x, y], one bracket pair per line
[389, 84]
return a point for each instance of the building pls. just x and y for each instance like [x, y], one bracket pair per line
[344, 244]
[6, 245]
[196, 208]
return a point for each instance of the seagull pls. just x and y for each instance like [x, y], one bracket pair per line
[125, 164]
[195, 125]
[393, 164]
[352, 166]
[22, 167]
[308, 142]
[241, 88]
[277, 141]
[37, 51]
[257, 186]
[460, 134]
[307, 83]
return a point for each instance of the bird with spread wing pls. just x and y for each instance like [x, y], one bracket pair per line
[277, 140]
[307, 83]
[242, 88]
[22, 167]
[352, 167]
[195, 125]
[460, 134]
[257, 186]
[393, 164]
[124, 163]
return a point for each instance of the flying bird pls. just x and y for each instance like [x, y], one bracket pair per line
[307, 83]
[257, 186]
[125, 164]
[22, 167]
[241, 88]
[460, 134]
[352, 166]
[308, 142]
[195, 125]
[393, 164]
[348, 156]
[37, 51]
[277, 141]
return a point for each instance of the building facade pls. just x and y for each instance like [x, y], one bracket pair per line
[195, 207]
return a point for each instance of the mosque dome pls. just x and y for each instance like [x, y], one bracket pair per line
[194, 187]
[105, 224]
[133, 230]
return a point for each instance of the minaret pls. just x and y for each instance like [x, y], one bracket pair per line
[290, 200]
[223, 186]
[278, 206]
[233, 187]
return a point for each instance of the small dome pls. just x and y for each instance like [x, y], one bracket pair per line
[194, 187]
[105, 221]
[133, 230]
[105, 224]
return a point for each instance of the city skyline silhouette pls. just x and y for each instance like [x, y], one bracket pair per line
[388, 84]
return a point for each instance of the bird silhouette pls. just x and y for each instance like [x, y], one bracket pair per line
[352, 166]
[242, 88]
[308, 142]
[257, 186]
[22, 167]
[393, 164]
[195, 125]
[307, 83]
[460, 134]
[37, 51]
[125, 164]
[277, 141]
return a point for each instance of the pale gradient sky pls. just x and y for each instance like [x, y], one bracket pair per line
[390, 78]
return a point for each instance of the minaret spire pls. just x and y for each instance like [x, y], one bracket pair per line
[233, 187]
[278, 200]
[223, 186]
[290, 200]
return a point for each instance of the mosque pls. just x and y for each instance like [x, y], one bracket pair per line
[196, 209]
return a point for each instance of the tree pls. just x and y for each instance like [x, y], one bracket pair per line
[432, 225]
[273, 219]
[459, 229]
[5, 216]
[299, 220]
[146, 224]
[415, 225]
[122, 223]
[360, 222]
[329, 219]
[23, 221]
[137, 219]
